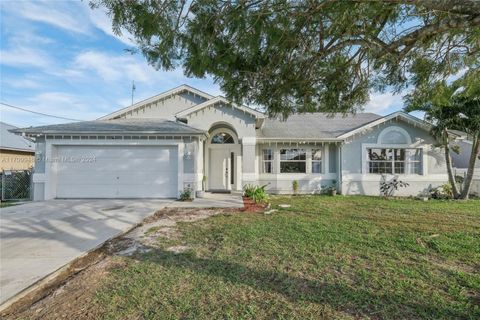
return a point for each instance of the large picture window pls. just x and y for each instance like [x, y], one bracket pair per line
[293, 161]
[267, 161]
[394, 160]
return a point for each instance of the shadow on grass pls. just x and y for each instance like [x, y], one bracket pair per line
[340, 295]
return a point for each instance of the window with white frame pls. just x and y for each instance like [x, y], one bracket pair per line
[316, 161]
[394, 160]
[267, 161]
[293, 161]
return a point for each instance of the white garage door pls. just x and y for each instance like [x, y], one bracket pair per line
[117, 172]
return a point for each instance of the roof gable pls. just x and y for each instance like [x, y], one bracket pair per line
[216, 101]
[161, 97]
[399, 115]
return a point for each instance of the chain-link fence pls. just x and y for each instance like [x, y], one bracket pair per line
[16, 185]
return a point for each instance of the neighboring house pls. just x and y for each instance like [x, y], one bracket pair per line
[159, 146]
[461, 150]
[16, 152]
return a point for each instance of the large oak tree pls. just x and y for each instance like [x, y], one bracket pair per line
[300, 56]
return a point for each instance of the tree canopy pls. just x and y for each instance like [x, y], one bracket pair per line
[305, 55]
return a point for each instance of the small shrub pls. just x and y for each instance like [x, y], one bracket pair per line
[256, 193]
[295, 187]
[442, 192]
[330, 190]
[186, 195]
[387, 188]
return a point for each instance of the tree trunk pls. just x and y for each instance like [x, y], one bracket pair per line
[471, 167]
[448, 160]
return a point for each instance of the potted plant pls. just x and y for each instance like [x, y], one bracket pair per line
[330, 190]
[201, 193]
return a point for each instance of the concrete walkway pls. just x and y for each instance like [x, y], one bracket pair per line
[38, 238]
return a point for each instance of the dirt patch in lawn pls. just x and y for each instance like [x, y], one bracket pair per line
[71, 294]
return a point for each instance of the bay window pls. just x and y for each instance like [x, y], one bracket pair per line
[394, 160]
[293, 161]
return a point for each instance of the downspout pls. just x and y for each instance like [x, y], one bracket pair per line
[339, 169]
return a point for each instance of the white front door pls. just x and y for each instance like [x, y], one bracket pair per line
[220, 169]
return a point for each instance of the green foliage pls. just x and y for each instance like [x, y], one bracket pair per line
[256, 193]
[186, 195]
[387, 188]
[295, 187]
[452, 106]
[304, 56]
[442, 192]
[331, 189]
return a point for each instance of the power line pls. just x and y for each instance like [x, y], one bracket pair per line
[39, 113]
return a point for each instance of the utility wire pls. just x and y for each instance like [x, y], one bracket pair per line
[36, 112]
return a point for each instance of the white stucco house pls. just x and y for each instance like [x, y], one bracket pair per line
[159, 146]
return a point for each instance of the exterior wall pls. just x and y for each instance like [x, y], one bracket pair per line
[16, 160]
[282, 183]
[462, 159]
[167, 108]
[243, 127]
[45, 177]
[355, 179]
[242, 123]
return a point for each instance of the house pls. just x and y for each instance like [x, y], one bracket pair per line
[16, 152]
[159, 146]
[462, 149]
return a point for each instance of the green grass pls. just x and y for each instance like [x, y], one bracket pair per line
[332, 257]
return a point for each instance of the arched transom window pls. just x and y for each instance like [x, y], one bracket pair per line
[222, 137]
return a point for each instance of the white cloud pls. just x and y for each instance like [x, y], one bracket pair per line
[25, 56]
[55, 13]
[22, 83]
[103, 22]
[125, 67]
[380, 102]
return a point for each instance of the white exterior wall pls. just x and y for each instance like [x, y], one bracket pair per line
[281, 183]
[242, 125]
[166, 108]
[45, 182]
[356, 180]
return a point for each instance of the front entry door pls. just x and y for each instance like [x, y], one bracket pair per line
[220, 169]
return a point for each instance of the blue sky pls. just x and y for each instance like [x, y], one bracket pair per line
[62, 58]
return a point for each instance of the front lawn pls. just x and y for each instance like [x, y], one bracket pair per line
[334, 257]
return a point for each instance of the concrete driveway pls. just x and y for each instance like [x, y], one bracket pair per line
[38, 238]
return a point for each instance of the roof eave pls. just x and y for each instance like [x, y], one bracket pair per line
[284, 139]
[18, 149]
[423, 124]
[184, 113]
[36, 133]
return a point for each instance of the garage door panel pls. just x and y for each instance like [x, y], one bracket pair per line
[117, 171]
[112, 166]
[138, 177]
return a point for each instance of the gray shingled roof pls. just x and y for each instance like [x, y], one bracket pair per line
[314, 125]
[11, 141]
[154, 126]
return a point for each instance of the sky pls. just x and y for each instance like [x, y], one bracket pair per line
[62, 58]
